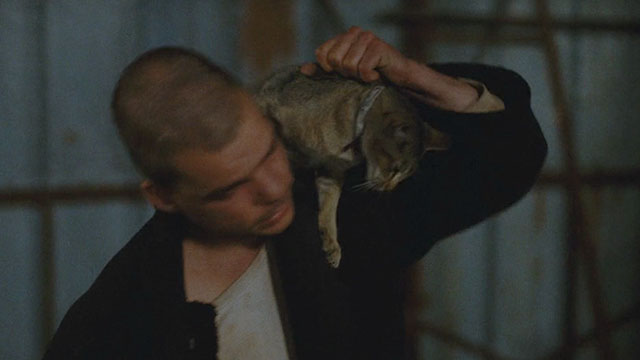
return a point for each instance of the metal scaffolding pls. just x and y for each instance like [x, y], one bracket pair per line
[419, 29]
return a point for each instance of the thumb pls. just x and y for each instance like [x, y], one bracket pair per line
[308, 69]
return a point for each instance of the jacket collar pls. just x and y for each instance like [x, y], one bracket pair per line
[310, 297]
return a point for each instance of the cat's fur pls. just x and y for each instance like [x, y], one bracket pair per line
[316, 119]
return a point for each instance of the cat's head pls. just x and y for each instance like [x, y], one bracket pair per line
[394, 140]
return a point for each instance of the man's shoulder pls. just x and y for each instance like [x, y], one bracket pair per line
[156, 244]
[144, 271]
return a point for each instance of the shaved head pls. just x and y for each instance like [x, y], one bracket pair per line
[173, 99]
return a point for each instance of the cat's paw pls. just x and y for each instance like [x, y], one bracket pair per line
[333, 253]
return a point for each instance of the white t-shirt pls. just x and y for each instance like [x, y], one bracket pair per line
[247, 317]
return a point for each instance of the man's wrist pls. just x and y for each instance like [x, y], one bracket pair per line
[486, 102]
[434, 88]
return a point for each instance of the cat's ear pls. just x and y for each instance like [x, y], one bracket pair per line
[435, 140]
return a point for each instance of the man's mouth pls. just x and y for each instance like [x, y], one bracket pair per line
[276, 214]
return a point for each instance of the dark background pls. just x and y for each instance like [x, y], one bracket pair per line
[558, 274]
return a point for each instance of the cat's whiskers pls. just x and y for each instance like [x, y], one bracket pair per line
[365, 186]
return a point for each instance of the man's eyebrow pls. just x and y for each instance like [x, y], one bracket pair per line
[220, 191]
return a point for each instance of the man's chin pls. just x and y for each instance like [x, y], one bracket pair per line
[278, 222]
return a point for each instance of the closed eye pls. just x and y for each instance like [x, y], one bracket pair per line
[226, 191]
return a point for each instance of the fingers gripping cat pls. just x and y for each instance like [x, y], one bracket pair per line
[332, 123]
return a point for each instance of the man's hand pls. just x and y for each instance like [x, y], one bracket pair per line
[359, 54]
[362, 55]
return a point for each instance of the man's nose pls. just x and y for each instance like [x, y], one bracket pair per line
[273, 183]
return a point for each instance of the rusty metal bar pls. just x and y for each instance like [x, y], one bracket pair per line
[412, 44]
[579, 238]
[334, 15]
[500, 8]
[45, 266]
[572, 243]
[416, 19]
[596, 178]
[20, 196]
[414, 39]
[461, 36]
[412, 305]
[562, 353]
[572, 180]
[452, 339]
[47, 272]
[70, 194]
[591, 337]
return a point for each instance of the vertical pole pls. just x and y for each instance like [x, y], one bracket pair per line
[491, 260]
[413, 45]
[47, 272]
[579, 239]
[46, 306]
[413, 42]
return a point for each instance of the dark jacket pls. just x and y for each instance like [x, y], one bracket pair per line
[136, 308]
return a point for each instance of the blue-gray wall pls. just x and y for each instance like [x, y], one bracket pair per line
[500, 284]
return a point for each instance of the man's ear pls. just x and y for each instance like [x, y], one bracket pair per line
[158, 196]
[435, 140]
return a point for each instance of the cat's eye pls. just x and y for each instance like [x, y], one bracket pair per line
[402, 145]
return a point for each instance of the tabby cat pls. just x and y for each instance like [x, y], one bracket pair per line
[332, 123]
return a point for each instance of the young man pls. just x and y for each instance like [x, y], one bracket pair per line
[231, 265]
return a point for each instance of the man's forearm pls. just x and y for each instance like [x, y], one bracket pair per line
[360, 54]
[431, 87]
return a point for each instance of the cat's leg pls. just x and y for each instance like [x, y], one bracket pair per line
[328, 196]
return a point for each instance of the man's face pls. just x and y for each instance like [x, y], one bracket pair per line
[242, 190]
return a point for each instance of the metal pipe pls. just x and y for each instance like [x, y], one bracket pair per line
[457, 341]
[579, 241]
[18, 196]
[423, 19]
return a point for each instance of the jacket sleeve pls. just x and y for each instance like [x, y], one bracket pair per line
[494, 159]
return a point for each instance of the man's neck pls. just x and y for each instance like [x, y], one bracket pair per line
[210, 267]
